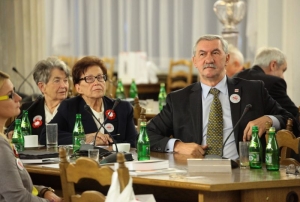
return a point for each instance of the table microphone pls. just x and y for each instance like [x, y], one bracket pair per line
[19, 116]
[234, 164]
[88, 109]
[112, 158]
[24, 79]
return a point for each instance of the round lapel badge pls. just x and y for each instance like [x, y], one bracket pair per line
[109, 127]
[37, 123]
[19, 164]
[110, 114]
[37, 117]
[235, 98]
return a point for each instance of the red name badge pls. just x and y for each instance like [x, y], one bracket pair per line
[110, 114]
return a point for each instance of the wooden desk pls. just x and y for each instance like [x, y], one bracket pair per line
[242, 185]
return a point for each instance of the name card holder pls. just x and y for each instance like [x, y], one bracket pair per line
[209, 165]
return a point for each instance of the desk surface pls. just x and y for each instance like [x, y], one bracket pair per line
[240, 185]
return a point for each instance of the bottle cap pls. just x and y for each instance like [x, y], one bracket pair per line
[272, 129]
[143, 123]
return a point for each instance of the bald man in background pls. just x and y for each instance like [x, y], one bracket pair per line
[236, 61]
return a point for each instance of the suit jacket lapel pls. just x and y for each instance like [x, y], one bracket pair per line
[196, 110]
[234, 88]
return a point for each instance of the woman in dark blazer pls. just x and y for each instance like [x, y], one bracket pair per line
[89, 76]
[52, 78]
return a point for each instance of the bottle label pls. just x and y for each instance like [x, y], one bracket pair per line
[19, 147]
[79, 140]
[254, 157]
[143, 151]
[269, 158]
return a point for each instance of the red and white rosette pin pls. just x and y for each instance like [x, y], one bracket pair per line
[19, 164]
[110, 114]
[37, 121]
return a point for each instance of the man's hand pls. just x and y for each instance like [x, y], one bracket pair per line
[189, 148]
[261, 123]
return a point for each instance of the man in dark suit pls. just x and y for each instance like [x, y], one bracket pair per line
[185, 115]
[269, 66]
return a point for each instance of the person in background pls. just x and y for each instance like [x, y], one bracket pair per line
[187, 120]
[89, 76]
[269, 66]
[236, 61]
[15, 182]
[52, 78]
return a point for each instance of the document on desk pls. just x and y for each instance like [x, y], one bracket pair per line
[147, 165]
[40, 161]
[157, 172]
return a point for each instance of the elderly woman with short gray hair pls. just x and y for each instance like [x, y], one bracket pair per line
[52, 78]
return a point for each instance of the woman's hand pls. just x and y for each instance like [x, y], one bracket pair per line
[102, 139]
[52, 197]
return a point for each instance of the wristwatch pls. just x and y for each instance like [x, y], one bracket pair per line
[44, 190]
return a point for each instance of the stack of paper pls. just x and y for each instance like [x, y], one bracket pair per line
[149, 167]
[146, 165]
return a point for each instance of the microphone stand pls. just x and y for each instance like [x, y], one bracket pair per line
[112, 158]
[24, 79]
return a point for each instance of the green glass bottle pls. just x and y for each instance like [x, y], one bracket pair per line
[18, 138]
[143, 144]
[272, 152]
[120, 90]
[162, 96]
[255, 150]
[133, 92]
[78, 134]
[25, 124]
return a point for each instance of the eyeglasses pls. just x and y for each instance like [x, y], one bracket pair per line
[91, 79]
[6, 97]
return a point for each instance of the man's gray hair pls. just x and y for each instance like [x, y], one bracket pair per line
[265, 55]
[211, 38]
[42, 70]
[235, 53]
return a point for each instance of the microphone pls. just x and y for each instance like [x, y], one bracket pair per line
[24, 79]
[19, 116]
[234, 164]
[88, 109]
[112, 158]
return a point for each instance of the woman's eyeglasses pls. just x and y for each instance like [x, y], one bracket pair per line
[91, 79]
[6, 97]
